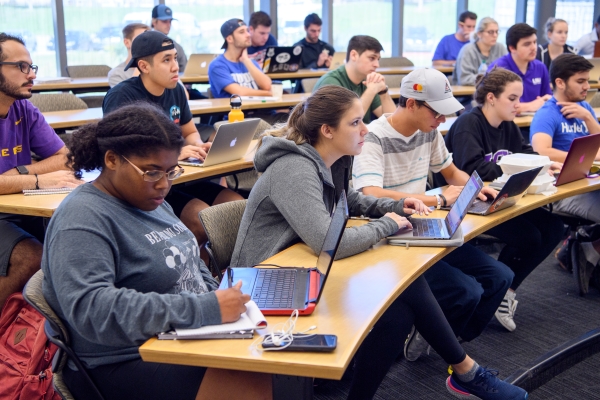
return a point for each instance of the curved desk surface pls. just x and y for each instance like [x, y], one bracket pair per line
[358, 291]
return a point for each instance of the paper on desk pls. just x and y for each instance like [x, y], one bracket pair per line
[200, 103]
[259, 98]
[550, 191]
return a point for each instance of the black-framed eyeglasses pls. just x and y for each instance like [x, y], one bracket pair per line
[156, 175]
[436, 114]
[25, 67]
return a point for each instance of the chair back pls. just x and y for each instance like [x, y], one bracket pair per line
[595, 100]
[393, 81]
[389, 62]
[47, 102]
[221, 224]
[88, 71]
[308, 84]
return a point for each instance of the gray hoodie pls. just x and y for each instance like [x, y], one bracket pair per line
[293, 200]
[469, 60]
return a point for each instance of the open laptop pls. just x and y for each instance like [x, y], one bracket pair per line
[512, 191]
[282, 59]
[279, 291]
[595, 71]
[339, 59]
[197, 64]
[231, 143]
[579, 159]
[438, 228]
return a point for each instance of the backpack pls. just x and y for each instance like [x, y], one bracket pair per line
[25, 353]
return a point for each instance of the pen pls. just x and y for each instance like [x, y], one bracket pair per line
[229, 277]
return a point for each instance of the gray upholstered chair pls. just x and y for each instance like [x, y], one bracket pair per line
[87, 71]
[221, 224]
[308, 84]
[395, 62]
[393, 81]
[47, 102]
[58, 334]
[595, 101]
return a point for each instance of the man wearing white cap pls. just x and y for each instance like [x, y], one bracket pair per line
[397, 155]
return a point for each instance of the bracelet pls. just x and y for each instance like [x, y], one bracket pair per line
[439, 201]
[444, 204]
[37, 186]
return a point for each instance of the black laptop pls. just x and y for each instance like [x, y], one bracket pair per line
[282, 59]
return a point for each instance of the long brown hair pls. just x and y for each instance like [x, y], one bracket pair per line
[493, 82]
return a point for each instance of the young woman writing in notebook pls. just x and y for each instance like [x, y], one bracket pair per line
[478, 139]
[119, 266]
[293, 200]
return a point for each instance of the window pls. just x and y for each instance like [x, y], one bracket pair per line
[425, 23]
[530, 19]
[503, 11]
[32, 21]
[578, 14]
[353, 17]
[290, 19]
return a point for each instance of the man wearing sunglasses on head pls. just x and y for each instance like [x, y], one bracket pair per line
[23, 130]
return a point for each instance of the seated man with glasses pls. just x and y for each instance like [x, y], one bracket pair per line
[521, 40]
[399, 151]
[23, 129]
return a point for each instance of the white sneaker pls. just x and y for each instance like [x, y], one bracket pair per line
[415, 345]
[506, 311]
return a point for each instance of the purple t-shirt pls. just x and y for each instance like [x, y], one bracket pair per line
[25, 130]
[536, 81]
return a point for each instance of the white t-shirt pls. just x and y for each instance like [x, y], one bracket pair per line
[393, 161]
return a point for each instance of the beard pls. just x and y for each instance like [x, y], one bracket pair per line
[12, 90]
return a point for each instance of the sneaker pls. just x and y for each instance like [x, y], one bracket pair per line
[506, 312]
[415, 345]
[485, 386]
[563, 255]
[583, 269]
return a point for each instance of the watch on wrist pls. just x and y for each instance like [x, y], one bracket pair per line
[384, 91]
[22, 170]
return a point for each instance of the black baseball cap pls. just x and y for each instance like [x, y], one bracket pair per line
[147, 44]
[229, 27]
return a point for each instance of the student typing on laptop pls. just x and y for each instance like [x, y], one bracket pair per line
[563, 118]
[293, 200]
[120, 267]
[478, 139]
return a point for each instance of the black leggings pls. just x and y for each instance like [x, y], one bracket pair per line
[415, 306]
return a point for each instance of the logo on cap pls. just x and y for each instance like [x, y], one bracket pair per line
[447, 89]
[417, 87]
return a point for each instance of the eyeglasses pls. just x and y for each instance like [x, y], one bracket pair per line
[436, 114]
[23, 66]
[493, 33]
[154, 176]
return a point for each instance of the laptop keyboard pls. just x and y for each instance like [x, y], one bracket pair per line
[426, 227]
[274, 288]
[479, 206]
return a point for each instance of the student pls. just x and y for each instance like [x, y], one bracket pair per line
[119, 266]
[448, 48]
[585, 45]
[154, 54]
[315, 52]
[399, 151]
[358, 74]
[471, 56]
[293, 200]
[260, 36]
[162, 16]
[564, 117]
[521, 40]
[23, 129]
[557, 31]
[118, 73]
[233, 72]
[477, 140]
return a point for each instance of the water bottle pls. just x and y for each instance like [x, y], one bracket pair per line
[236, 113]
[483, 67]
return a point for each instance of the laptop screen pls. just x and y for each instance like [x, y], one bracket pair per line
[332, 239]
[463, 202]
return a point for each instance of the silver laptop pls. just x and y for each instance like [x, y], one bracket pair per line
[595, 72]
[198, 64]
[231, 143]
[438, 228]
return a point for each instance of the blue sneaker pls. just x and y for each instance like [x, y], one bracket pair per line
[485, 386]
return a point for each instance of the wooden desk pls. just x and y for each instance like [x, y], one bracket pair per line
[353, 300]
[100, 83]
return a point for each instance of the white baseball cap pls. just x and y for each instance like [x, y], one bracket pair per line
[431, 86]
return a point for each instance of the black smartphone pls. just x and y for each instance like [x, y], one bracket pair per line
[320, 343]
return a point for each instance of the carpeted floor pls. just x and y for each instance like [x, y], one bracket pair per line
[549, 313]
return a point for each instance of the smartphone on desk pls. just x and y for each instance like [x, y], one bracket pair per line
[319, 343]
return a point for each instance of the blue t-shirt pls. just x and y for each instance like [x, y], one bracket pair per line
[271, 41]
[536, 81]
[448, 48]
[550, 120]
[222, 73]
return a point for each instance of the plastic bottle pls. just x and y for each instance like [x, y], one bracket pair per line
[236, 113]
[483, 67]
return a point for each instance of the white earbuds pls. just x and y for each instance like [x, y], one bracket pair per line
[282, 335]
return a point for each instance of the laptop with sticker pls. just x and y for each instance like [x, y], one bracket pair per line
[282, 59]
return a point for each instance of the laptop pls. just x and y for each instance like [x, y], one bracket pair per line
[197, 64]
[231, 143]
[282, 59]
[339, 59]
[595, 71]
[579, 159]
[512, 191]
[438, 228]
[279, 291]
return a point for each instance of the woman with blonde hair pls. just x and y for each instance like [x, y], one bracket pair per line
[557, 31]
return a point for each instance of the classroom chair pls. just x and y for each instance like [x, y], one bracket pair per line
[389, 62]
[87, 71]
[57, 333]
[47, 102]
[221, 224]
[393, 81]
[595, 101]
[308, 84]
